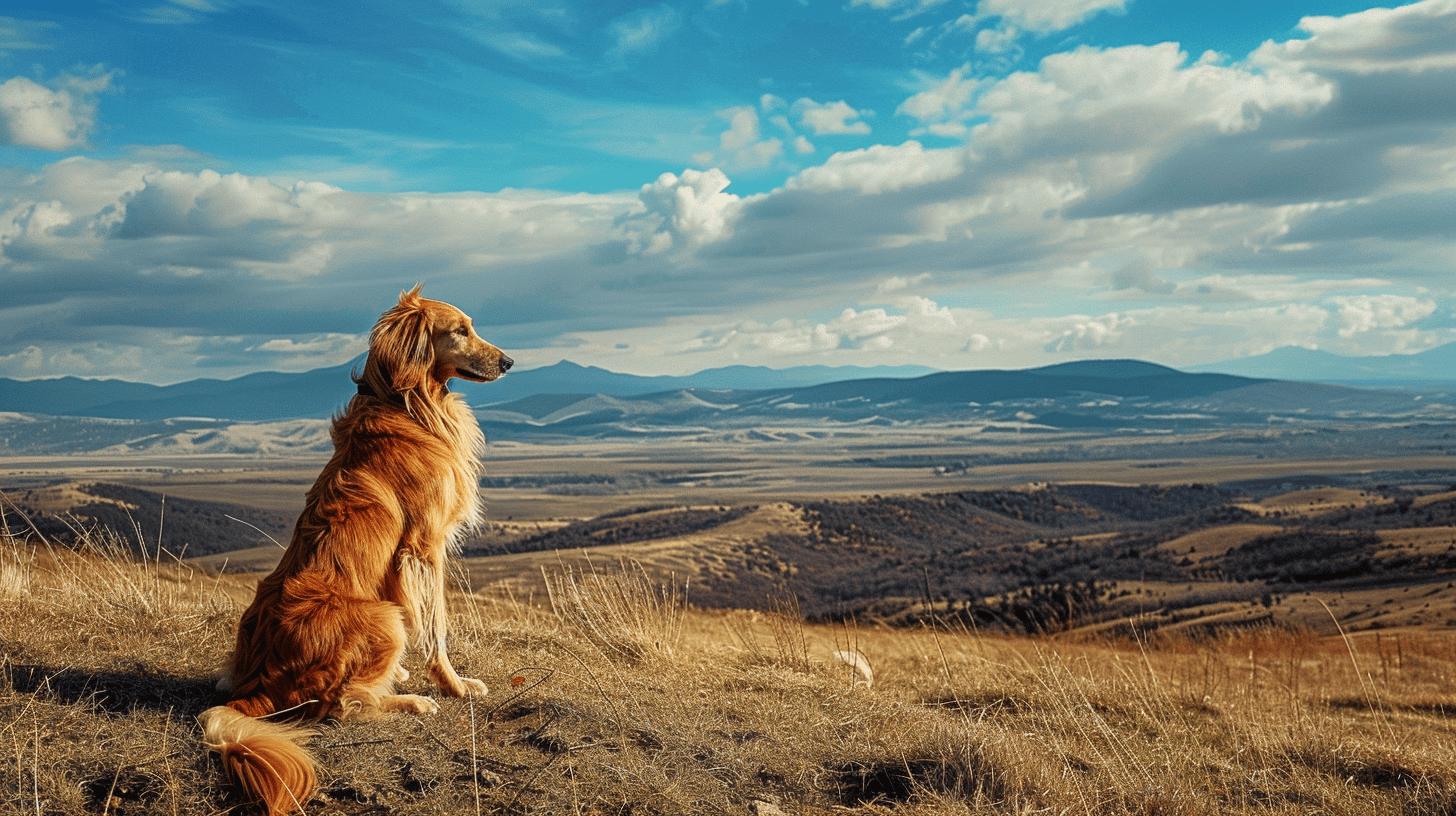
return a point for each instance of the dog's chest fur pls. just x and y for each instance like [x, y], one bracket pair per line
[460, 489]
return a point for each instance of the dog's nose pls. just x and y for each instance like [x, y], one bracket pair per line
[506, 363]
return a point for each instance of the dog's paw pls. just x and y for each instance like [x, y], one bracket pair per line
[454, 685]
[413, 704]
[401, 674]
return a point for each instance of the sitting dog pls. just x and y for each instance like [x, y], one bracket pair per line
[365, 570]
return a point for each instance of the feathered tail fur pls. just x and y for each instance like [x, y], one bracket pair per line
[264, 759]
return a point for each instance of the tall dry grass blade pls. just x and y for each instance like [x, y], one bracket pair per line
[624, 614]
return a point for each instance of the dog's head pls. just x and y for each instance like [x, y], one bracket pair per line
[420, 341]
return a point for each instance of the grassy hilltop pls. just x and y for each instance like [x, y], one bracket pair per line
[613, 697]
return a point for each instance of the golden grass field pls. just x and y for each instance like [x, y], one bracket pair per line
[611, 696]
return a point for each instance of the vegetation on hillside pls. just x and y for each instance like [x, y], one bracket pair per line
[616, 698]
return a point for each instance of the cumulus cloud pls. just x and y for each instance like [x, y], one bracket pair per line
[1365, 313]
[743, 144]
[830, 118]
[1045, 16]
[27, 362]
[139, 255]
[50, 117]
[878, 169]
[998, 39]
[876, 329]
[1091, 334]
[176, 203]
[682, 211]
[943, 106]
[1415, 37]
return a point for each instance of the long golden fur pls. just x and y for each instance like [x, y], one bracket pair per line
[365, 571]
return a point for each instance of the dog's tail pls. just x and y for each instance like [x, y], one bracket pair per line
[265, 760]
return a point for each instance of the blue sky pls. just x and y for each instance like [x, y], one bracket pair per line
[205, 188]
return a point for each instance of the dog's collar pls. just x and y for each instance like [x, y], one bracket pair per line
[366, 391]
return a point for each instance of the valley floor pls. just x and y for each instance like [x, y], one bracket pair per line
[614, 698]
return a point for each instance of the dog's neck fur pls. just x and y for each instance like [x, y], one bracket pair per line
[447, 416]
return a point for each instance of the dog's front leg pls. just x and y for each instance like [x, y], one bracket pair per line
[425, 584]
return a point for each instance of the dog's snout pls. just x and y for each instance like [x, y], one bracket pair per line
[506, 363]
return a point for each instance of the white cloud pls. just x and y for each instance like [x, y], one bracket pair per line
[1414, 37]
[333, 343]
[998, 40]
[1091, 334]
[682, 212]
[1045, 16]
[1132, 97]
[27, 362]
[643, 30]
[310, 351]
[50, 118]
[177, 203]
[944, 105]
[830, 118]
[878, 169]
[803, 146]
[742, 144]
[912, 329]
[1366, 313]
[896, 283]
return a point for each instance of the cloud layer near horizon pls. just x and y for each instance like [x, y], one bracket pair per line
[1133, 201]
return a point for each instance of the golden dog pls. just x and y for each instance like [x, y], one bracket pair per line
[366, 567]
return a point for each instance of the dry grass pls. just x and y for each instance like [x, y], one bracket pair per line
[623, 613]
[618, 699]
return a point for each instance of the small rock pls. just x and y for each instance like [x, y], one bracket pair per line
[761, 808]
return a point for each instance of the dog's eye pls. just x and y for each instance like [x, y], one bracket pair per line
[462, 331]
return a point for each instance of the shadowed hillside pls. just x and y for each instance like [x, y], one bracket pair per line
[1049, 558]
[611, 696]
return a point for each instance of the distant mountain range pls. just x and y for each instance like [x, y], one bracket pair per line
[275, 395]
[276, 413]
[1437, 365]
[1096, 394]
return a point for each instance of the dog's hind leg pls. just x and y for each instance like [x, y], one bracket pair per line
[370, 689]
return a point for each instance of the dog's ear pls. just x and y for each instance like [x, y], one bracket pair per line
[400, 344]
[411, 299]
